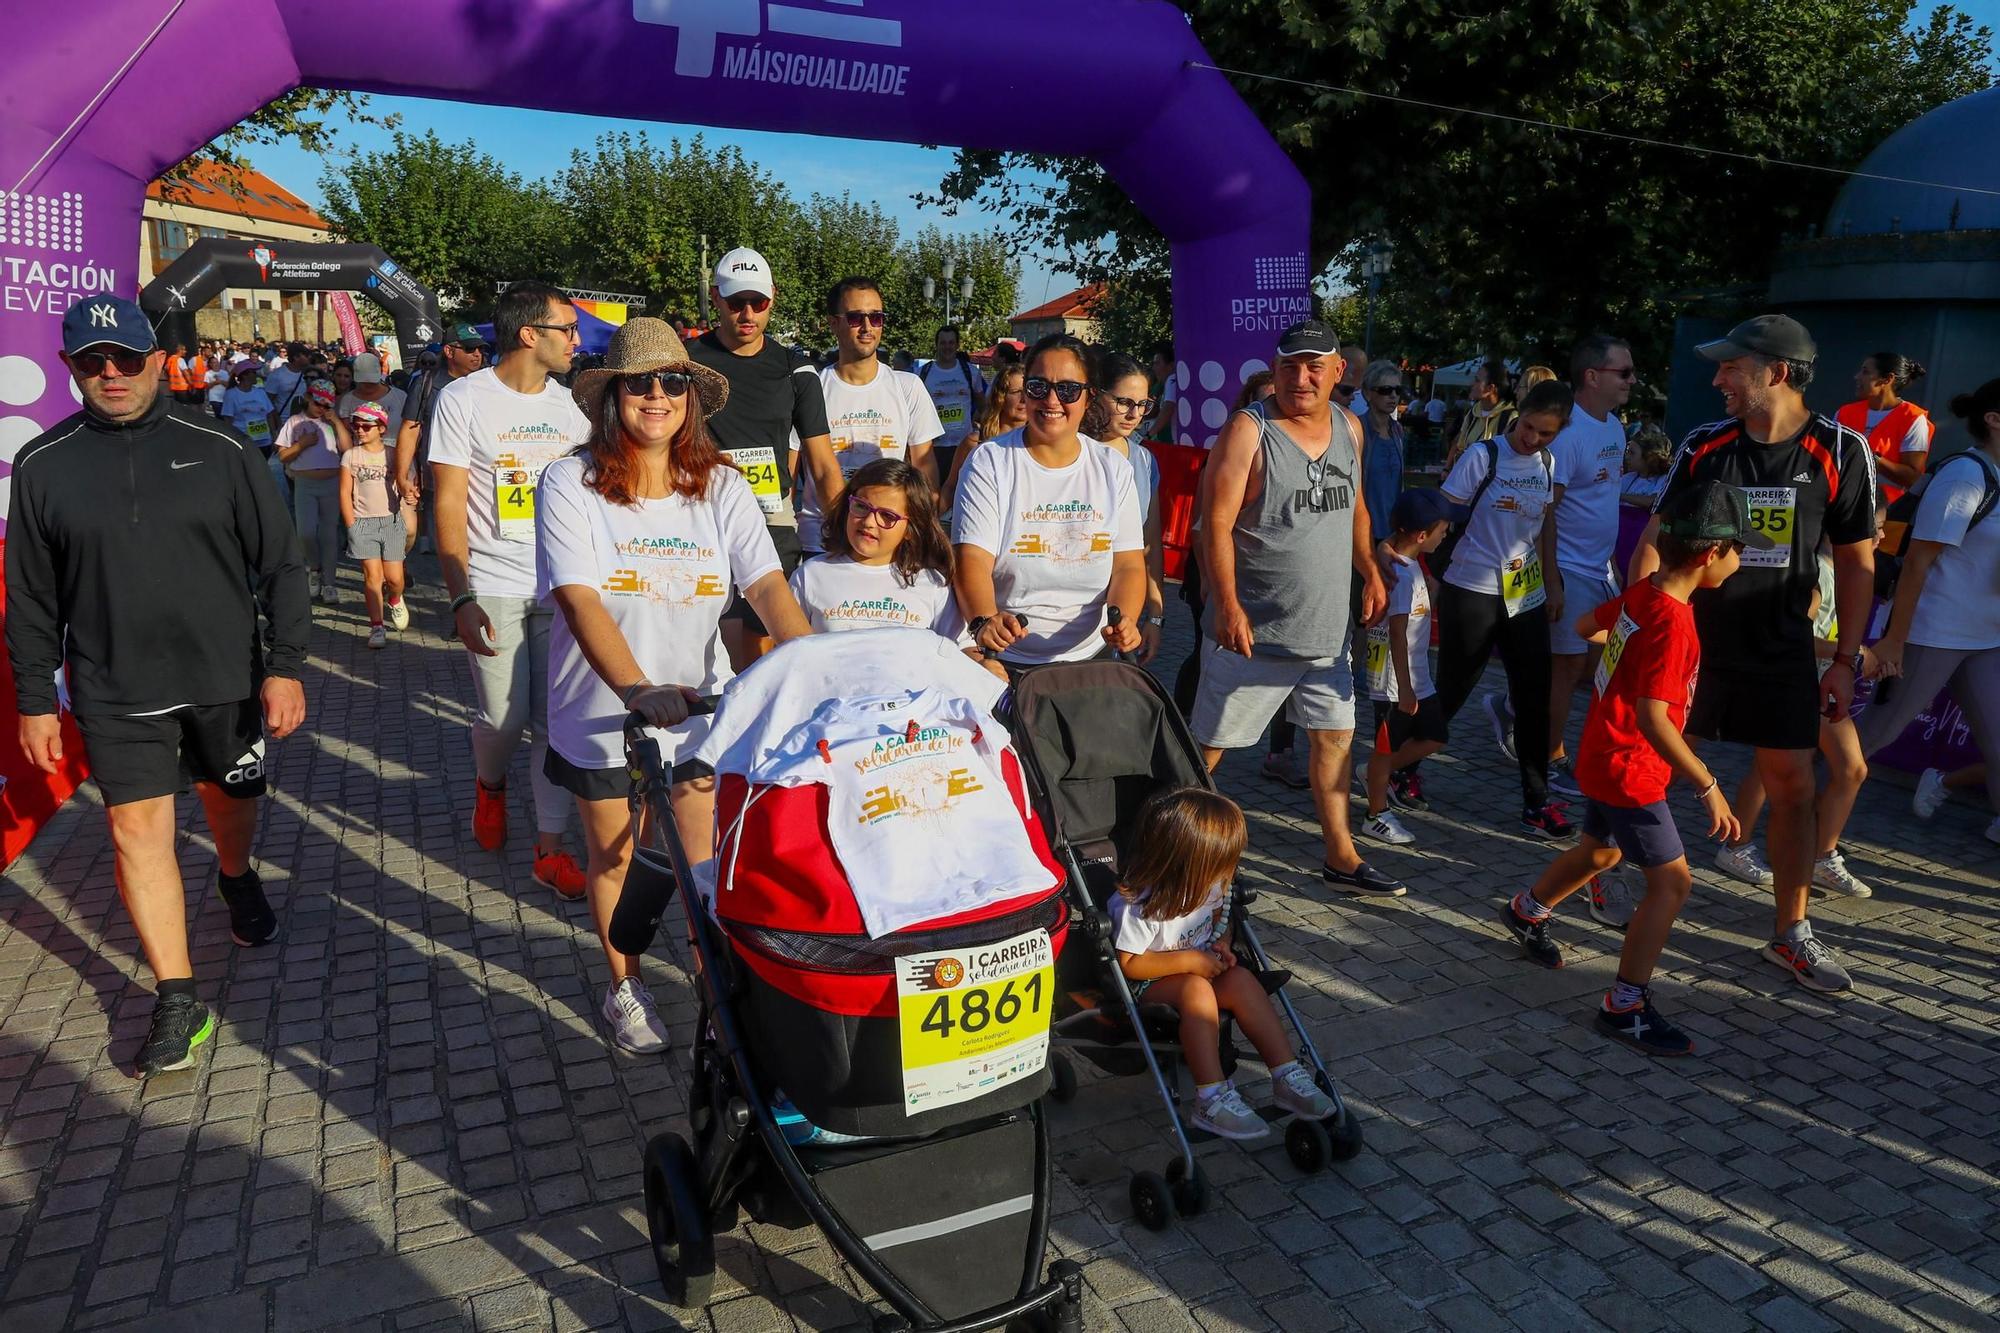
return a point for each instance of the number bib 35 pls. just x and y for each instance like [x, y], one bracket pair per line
[973, 1019]
[1773, 512]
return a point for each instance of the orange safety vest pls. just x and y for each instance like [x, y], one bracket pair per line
[176, 377]
[1886, 440]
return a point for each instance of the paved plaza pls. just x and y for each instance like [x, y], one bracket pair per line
[407, 1119]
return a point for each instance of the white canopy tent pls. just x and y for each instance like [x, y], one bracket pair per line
[1460, 374]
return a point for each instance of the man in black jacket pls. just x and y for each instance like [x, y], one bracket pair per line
[142, 541]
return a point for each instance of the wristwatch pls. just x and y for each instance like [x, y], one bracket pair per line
[976, 624]
[1158, 622]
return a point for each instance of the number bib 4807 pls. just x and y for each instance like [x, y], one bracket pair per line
[1774, 512]
[1521, 585]
[973, 1019]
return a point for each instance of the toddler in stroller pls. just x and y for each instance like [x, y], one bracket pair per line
[1171, 930]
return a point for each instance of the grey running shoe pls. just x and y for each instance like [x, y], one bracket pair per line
[1296, 1092]
[1745, 863]
[1225, 1113]
[1502, 718]
[1562, 779]
[1811, 964]
[1830, 872]
[1930, 795]
[633, 1019]
[1611, 901]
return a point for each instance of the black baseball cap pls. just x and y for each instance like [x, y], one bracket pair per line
[1309, 337]
[1780, 336]
[1418, 508]
[1712, 511]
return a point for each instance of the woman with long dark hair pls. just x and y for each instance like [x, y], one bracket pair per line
[642, 536]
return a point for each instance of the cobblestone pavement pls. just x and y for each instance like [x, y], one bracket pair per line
[408, 1121]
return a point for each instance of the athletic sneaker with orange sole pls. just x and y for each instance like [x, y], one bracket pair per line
[489, 816]
[558, 870]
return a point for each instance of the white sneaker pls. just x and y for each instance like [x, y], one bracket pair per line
[1830, 872]
[634, 1021]
[329, 592]
[1745, 863]
[1930, 794]
[312, 584]
[1227, 1115]
[378, 637]
[1611, 900]
[397, 614]
[1297, 1093]
[1385, 827]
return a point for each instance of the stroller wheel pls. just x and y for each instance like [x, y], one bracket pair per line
[683, 1246]
[1062, 1080]
[891, 1323]
[1190, 1191]
[1152, 1201]
[1344, 1134]
[1307, 1144]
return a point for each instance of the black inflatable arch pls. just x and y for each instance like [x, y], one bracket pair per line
[210, 266]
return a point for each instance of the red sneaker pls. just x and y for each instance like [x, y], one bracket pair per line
[489, 816]
[558, 870]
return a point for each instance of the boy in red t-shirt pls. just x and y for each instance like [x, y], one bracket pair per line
[1631, 750]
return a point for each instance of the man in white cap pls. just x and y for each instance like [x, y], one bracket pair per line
[773, 396]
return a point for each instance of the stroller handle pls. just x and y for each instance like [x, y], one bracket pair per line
[1114, 616]
[636, 722]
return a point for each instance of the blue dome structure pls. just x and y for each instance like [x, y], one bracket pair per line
[1957, 144]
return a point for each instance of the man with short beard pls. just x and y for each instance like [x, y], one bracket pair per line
[1807, 476]
[143, 542]
[492, 433]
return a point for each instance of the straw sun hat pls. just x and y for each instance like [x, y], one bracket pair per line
[647, 344]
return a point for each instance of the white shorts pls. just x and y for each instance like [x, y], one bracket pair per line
[1581, 593]
[1240, 695]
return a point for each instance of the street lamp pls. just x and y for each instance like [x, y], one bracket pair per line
[1374, 267]
[964, 288]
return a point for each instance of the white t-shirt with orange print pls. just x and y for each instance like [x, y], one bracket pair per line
[665, 570]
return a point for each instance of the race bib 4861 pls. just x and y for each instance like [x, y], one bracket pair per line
[973, 1019]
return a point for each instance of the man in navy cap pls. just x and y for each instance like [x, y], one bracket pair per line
[143, 541]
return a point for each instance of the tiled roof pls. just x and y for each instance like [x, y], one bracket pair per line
[249, 194]
[1073, 305]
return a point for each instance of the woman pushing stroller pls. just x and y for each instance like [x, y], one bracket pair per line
[1172, 934]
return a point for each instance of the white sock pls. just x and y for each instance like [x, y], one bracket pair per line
[1278, 1073]
[1204, 1091]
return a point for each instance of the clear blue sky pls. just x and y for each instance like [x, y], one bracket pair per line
[538, 143]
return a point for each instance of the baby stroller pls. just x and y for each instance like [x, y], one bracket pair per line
[1099, 738]
[930, 1177]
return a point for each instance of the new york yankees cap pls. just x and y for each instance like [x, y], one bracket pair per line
[107, 321]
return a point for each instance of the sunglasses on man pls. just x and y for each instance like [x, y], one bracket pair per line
[874, 319]
[91, 364]
[755, 302]
[1066, 391]
[673, 383]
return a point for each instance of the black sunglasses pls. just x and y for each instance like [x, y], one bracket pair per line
[1066, 391]
[91, 364]
[674, 383]
[856, 318]
[753, 301]
[1345, 390]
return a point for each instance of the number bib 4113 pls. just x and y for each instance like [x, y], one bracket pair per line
[1773, 512]
[973, 1019]
[1521, 585]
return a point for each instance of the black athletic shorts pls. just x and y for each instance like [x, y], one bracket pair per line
[1644, 834]
[138, 758]
[789, 555]
[1771, 710]
[1394, 728]
[607, 784]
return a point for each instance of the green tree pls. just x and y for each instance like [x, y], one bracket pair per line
[449, 213]
[634, 214]
[1510, 236]
[996, 276]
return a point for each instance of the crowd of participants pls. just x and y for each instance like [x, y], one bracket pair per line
[625, 534]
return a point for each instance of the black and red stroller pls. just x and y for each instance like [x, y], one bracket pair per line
[1099, 738]
[915, 1057]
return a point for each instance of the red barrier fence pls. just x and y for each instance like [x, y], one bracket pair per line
[28, 796]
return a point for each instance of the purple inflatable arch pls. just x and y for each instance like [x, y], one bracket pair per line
[99, 101]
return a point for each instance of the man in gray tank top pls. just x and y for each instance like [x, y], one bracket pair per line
[1282, 529]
